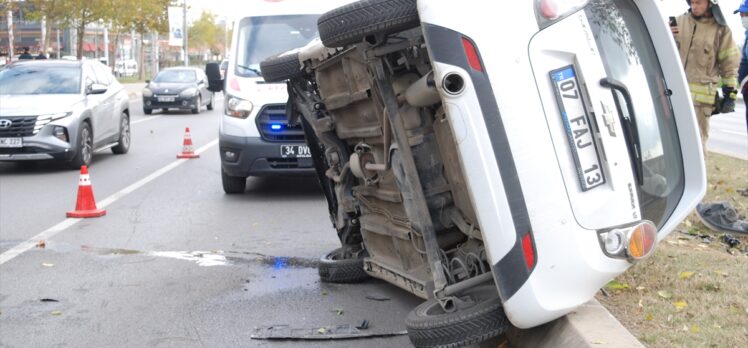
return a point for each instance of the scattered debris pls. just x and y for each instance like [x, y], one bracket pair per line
[338, 311]
[363, 325]
[376, 297]
[48, 300]
[344, 331]
[41, 244]
[664, 294]
[56, 313]
[722, 217]
[731, 241]
[45, 264]
[743, 192]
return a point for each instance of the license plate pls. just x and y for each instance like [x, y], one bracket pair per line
[11, 142]
[166, 99]
[578, 129]
[295, 151]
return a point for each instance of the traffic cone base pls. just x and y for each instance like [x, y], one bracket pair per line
[85, 205]
[187, 146]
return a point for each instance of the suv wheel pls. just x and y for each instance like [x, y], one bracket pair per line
[482, 318]
[233, 184]
[196, 109]
[147, 111]
[351, 23]
[84, 147]
[123, 143]
[337, 267]
[281, 67]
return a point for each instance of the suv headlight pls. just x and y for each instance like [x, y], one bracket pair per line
[43, 120]
[147, 93]
[188, 93]
[550, 11]
[237, 107]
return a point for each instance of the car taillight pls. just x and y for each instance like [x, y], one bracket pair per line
[633, 242]
[550, 11]
[472, 54]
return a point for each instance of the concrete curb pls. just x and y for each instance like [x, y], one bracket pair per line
[590, 325]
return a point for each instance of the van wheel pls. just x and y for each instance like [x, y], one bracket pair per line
[281, 67]
[334, 267]
[123, 143]
[147, 111]
[233, 184]
[482, 318]
[351, 23]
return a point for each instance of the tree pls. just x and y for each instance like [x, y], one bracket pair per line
[206, 34]
[53, 10]
[79, 13]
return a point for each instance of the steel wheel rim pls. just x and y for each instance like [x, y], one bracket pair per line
[86, 145]
[125, 132]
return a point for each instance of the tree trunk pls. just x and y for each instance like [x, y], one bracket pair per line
[141, 71]
[81, 31]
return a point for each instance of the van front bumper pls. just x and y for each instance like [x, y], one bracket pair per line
[252, 156]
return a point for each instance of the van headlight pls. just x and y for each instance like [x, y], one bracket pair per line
[188, 93]
[147, 93]
[237, 107]
[550, 11]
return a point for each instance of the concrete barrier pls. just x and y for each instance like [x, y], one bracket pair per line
[590, 325]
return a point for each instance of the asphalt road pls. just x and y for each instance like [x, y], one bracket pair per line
[728, 134]
[175, 262]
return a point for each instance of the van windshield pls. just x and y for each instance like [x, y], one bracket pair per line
[629, 56]
[262, 37]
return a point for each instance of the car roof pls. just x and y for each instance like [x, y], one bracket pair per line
[50, 63]
[182, 68]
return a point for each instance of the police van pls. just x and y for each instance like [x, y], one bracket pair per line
[255, 138]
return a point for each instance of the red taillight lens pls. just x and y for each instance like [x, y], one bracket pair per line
[527, 248]
[234, 84]
[472, 54]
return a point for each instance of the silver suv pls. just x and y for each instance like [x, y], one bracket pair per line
[61, 110]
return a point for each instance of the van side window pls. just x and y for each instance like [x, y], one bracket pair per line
[102, 76]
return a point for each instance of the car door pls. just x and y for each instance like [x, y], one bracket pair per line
[94, 103]
[110, 111]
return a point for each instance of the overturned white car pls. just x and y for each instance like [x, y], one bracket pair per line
[498, 164]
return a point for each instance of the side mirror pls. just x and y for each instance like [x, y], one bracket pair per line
[215, 82]
[96, 89]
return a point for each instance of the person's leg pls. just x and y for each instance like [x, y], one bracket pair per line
[703, 112]
[745, 100]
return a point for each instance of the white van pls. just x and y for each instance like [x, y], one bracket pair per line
[255, 138]
[126, 68]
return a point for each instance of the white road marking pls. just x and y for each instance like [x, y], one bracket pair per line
[64, 224]
[742, 134]
[149, 118]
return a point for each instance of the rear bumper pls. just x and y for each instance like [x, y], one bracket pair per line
[255, 157]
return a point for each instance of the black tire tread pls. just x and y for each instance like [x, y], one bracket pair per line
[233, 184]
[341, 271]
[349, 24]
[458, 329]
[279, 67]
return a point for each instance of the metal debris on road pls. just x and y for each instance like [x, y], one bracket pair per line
[344, 331]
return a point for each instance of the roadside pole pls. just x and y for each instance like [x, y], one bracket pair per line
[184, 35]
[10, 36]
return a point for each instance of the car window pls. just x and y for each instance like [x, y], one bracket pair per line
[89, 77]
[102, 75]
[40, 80]
[176, 76]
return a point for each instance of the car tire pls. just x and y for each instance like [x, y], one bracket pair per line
[147, 111]
[430, 326]
[123, 143]
[196, 109]
[210, 104]
[281, 67]
[334, 269]
[233, 184]
[84, 144]
[353, 22]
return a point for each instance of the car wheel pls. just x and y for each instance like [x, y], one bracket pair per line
[233, 184]
[353, 22]
[196, 109]
[281, 67]
[334, 267]
[164, 110]
[210, 104]
[84, 146]
[480, 318]
[147, 111]
[123, 143]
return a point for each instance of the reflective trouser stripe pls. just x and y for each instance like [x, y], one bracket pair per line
[702, 93]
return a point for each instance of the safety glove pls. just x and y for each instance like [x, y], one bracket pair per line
[729, 95]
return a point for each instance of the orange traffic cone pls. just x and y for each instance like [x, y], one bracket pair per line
[187, 151]
[85, 207]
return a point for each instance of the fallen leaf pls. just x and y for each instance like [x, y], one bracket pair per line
[56, 313]
[641, 305]
[649, 317]
[599, 342]
[720, 182]
[695, 329]
[716, 326]
[720, 273]
[616, 285]
[48, 264]
[688, 223]
[680, 304]
[41, 244]
[640, 288]
[324, 293]
[669, 318]
[685, 275]
[338, 311]
[664, 294]
[321, 331]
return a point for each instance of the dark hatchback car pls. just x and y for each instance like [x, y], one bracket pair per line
[178, 88]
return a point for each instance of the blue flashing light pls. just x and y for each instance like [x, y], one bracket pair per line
[276, 126]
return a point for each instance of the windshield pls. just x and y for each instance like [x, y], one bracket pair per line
[20, 80]
[262, 37]
[176, 76]
[630, 57]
